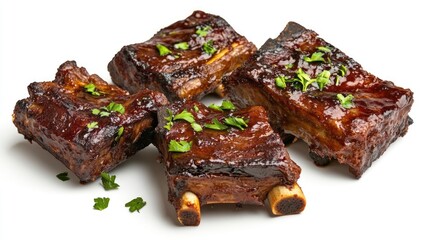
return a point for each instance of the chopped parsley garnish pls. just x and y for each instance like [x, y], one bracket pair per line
[196, 109]
[181, 146]
[346, 102]
[136, 204]
[324, 49]
[315, 57]
[237, 122]
[289, 65]
[169, 119]
[63, 176]
[209, 48]
[101, 203]
[226, 105]
[203, 31]
[304, 79]
[163, 50]
[108, 181]
[181, 45]
[119, 134]
[216, 125]
[92, 125]
[90, 88]
[184, 115]
[281, 81]
[105, 111]
[342, 71]
[322, 79]
[197, 127]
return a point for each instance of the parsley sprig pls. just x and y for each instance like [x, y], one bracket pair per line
[225, 105]
[107, 110]
[216, 125]
[237, 122]
[91, 88]
[209, 48]
[136, 204]
[202, 31]
[346, 102]
[63, 176]
[101, 203]
[108, 181]
[163, 50]
[179, 146]
[184, 115]
[303, 80]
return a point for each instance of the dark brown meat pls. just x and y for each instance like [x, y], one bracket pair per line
[224, 166]
[182, 74]
[355, 136]
[57, 114]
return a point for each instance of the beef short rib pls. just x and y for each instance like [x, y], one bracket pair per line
[315, 92]
[225, 163]
[87, 124]
[185, 60]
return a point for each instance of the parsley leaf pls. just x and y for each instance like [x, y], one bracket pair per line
[237, 122]
[115, 107]
[181, 45]
[304, 79]
[108, 181]
[209, 48]
[185, 115]
[216, 125]
[90, 88]
[315, 57]
[281, 81]
[346, 102]
[324, 49]
[322, 79]
[197, 127]
[181, 146]
[92, 125]
[136, 204]
[226, 105]
[119, 134]
[101, 203]
[169, 119]
[196, 109]
[163, 50]
[203, 31]
[63, 176]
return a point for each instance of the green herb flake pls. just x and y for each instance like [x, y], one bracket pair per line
[346, 102]
[281, 81]
[101, 203]
[115, 107]
[237, 122]
[92, 125]
[119, 134]
[196, 109]
[304, 79]
[63, 176]
[90, 88]
[181, 146]
[185, 115]
[203, 31]
[216, 125]
[315, 57]
[322, 79]
[181, 45]
[108, 181]
[95, 111]
[324, 49]
[342, 71]
[215, 107]
[136, 204]
[227, 105]
[289, 66]
[197, 127]
[168, 125]
[163, 50]
[209, 48]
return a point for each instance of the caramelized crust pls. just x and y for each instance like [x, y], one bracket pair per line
[183, 74]
[57, 113]
[356, 136]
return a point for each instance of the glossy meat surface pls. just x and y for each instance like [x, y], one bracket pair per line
[354, 136]
[57, 114]
[182, 74]
[224, 166]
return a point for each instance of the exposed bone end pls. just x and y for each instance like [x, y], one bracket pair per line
[285, 201]
[220, 91]
[189, 213]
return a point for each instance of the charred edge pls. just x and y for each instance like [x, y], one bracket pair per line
[291, 30]
[320, 161]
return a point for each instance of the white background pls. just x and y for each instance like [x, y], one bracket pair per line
[390, 201]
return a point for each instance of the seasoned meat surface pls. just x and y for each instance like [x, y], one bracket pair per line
[223, 166]
[87, 124]
[285, 76]
[185, 60]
